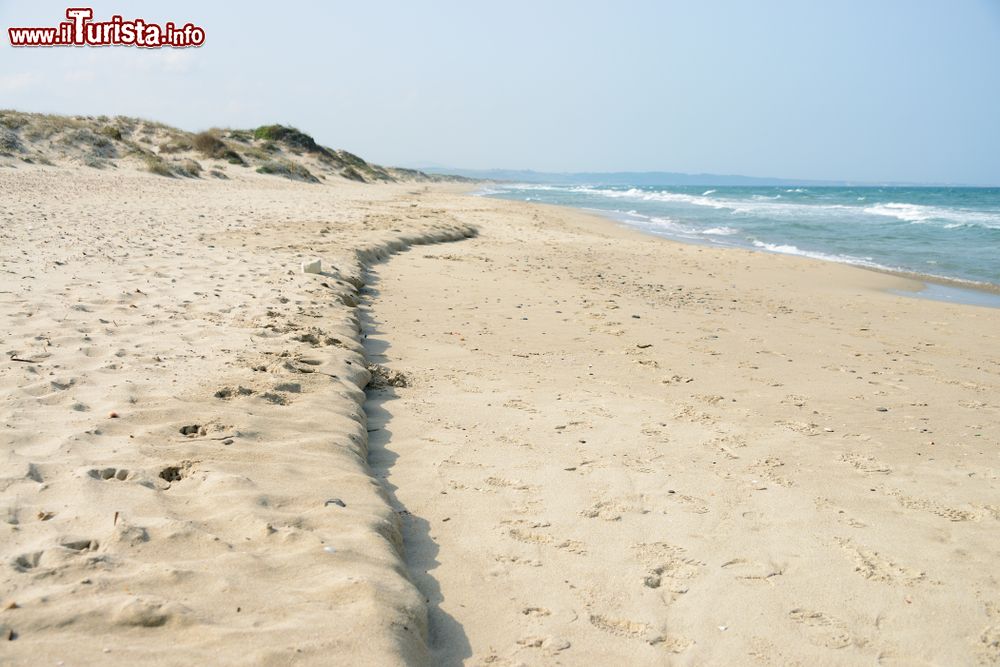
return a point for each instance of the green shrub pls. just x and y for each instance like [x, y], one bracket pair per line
[110, 132]
[95, 162]
[156, 165]
[208, 144]
[98, 145]
[242, 136]
[13, 120]
[296, 172]
[352, 174]
[289, 136]
[9, 141]
[189, 168]
[176, 145]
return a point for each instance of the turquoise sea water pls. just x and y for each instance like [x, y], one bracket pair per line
[951, 233]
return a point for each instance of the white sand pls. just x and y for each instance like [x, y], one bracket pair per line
[173, 304]
[711, 482]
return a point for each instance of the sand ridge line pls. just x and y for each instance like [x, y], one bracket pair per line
[186, 458]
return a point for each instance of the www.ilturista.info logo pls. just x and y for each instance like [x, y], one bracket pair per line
[80, 30]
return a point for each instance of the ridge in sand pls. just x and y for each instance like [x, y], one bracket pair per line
[184, 445]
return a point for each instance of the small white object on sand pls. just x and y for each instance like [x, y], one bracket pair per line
[315, 266]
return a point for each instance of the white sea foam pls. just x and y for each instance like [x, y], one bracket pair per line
[486, 191]
[654, 195]
[720, 231]
[759, 205]
[917, 213]
[671, 226]
[787, 249]
[773, 207]
[905, 212]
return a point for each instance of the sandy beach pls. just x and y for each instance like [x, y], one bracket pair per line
[617, 448]
[584, 445]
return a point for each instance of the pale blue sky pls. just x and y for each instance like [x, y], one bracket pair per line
[876, 90]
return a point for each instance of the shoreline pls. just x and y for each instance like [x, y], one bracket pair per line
[967, 292]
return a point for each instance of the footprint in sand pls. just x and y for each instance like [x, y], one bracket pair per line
[32, 560]
[549, 643]
[80, 545]
[612, 510]
[668, 566]
[175, 473]
[726, 446]
[275, 397]
[691, 504]
[120, 474]
[754, 571]
[876, 567]
[517, 560]
[842, 516]
[925, 505]
[822, 629]
[27, 562]
[619, 627]
[227, 393]
[768, 469]
[536, 611]
[628, 629]
[318, 339]
[866, 464]
[527, 533]
[501, 482]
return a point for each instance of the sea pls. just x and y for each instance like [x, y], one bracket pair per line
[949, 236]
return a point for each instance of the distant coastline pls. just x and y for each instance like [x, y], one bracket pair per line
[667, 178]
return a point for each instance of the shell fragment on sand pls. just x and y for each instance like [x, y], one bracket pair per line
[313, 266]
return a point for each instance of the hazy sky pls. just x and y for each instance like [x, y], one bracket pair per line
[875, 90]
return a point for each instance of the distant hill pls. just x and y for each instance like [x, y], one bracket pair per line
[624, 177]
[104, 142]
